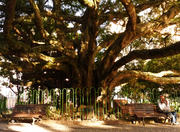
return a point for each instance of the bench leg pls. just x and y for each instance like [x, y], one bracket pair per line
[133, 121]
[167, 118]
[143, 121]
[33, 120]
[11, 121]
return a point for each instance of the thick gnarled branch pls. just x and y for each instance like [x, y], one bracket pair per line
[159, 24]
[38, 19]
[159, 78]
[10, 12]
[107, 15]
[131, 12]
[141, 30]
[148, 54]
[124, 39]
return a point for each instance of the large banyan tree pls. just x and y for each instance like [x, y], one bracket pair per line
[71, 43]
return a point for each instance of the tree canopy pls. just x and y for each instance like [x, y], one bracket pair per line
[63, 43]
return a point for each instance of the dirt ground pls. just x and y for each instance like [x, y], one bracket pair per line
[86, 126]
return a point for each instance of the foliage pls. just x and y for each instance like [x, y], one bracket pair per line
[47, 44]
[163, 64]
[135, 88]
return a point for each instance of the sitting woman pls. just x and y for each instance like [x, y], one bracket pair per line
[164, 106]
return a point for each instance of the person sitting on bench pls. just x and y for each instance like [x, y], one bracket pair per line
[164, 106]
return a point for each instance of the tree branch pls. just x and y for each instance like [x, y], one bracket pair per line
[62, 17]
[149, 4]
[61, 63]
[131, 13]
[152, 77]
[126, 38]
[89, 3]
[123, 40]
[147, 54]
[110, 15]
[10, 12]
[159, 24]
[38, 19]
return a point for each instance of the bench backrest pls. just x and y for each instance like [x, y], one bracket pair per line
[144, 108]
[31, 109]
[127, 109]
[131, 109]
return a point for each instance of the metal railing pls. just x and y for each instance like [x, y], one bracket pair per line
[74, 103]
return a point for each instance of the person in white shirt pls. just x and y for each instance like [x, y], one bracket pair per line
[164, 106]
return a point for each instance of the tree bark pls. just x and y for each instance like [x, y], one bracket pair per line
[10, 13]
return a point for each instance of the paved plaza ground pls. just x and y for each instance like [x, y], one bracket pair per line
[86, 126]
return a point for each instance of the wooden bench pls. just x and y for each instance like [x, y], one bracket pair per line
[136, 112]
[33, 112]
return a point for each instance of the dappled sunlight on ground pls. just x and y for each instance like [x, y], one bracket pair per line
[110, 126]
[87, 126]
[25, 127]
[54, 126]
[102, 124]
